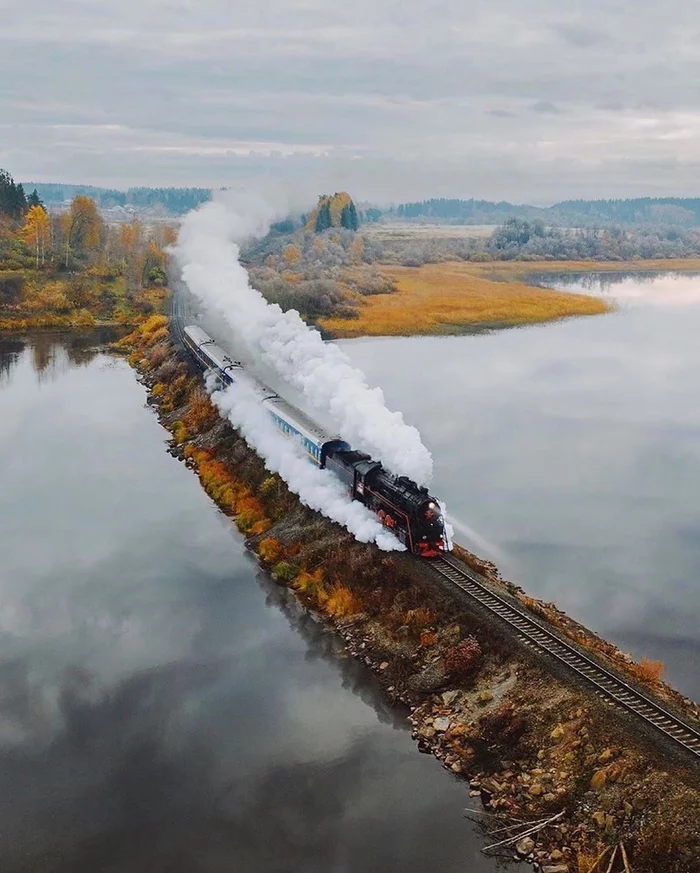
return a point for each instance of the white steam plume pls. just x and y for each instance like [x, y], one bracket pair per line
[207, 251]
[318, 489]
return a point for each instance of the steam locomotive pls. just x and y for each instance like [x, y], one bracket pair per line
[403, 507]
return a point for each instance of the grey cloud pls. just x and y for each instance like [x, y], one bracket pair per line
[170, 93]
[579, 36]
[545, 106]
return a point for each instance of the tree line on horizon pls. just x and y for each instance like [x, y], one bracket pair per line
[176, 201]
[674, 211]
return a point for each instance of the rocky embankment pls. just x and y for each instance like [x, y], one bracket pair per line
[555, 777]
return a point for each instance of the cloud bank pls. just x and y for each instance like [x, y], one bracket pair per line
[526, 101]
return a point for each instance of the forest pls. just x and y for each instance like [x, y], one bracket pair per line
[533, 240]
[176, 201]
[653, 211]
[71, 268]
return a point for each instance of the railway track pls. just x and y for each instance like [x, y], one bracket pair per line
[607, 685]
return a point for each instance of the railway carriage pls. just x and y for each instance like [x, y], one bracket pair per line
[402, 506]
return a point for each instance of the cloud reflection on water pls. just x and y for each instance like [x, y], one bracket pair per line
[574, 448]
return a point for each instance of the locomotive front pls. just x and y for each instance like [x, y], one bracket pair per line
[430, 536]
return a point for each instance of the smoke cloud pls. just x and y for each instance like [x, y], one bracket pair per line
[208, 251]
[318, 489]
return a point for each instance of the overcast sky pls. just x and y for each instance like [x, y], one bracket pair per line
[525, 100]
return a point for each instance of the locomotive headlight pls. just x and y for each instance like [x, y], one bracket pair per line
[431, 506]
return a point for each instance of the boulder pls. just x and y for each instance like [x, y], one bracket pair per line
[429, 679]
[441, 724]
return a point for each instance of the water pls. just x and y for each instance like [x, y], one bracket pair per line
[164, 707]
[571, 454]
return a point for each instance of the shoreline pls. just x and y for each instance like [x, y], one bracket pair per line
[529, 740]
[453, 298]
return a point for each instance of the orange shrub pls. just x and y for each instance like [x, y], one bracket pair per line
[202, 414]
[269, 550]
[418, 619]
[311, 584]
[341, 602]
[651, 671]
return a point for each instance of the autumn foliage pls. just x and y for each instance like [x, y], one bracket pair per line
[71, 268]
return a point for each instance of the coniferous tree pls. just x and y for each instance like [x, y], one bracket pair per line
[35, 200]
[13, 201]
[323, 218]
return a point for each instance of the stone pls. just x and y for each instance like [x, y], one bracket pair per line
[484, 697]
[599, 818]
[605, 756]
[383, 665]
[429, 679]
[536, 790]
[525, 846]
[614, 772]
[629, 809]
[456, 767]
[427, 732]
[560, 868]
[441, 724]
[557, 733]
[449, 697]
[549, 797]
[598, 780]
[556, 855]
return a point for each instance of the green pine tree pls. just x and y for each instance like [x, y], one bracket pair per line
[323, 217]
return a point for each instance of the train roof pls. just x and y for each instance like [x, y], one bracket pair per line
[301, 421]
[298, 419]
[197, 335]
[219, 356]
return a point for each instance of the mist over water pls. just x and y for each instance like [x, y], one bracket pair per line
[572, 450]
[164, 707]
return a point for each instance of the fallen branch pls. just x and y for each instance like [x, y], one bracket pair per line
[612, 860]
[513, 826]
[628, 869]
[531, 830]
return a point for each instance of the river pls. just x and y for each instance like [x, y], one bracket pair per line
[165, 707]
[570, 455]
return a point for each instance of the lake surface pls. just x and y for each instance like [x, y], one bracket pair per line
[570, 453]
[163, 705]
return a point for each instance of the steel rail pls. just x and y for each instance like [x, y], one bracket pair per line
[607, 684]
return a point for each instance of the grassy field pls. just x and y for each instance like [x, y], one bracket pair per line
[450, 297]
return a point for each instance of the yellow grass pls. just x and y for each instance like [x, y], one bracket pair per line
[443, 298]
[448, 297]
